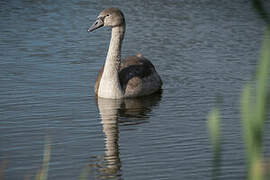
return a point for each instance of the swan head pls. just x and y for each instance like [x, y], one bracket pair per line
[111, 17]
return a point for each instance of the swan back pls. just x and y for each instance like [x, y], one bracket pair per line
[137, 77]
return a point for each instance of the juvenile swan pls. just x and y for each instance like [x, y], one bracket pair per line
[133, 76]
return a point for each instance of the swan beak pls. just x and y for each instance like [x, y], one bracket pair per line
[97, 24]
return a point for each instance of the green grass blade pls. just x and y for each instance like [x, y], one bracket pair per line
[214, 130]
[262, 80]
[43, 172]
[247, 116]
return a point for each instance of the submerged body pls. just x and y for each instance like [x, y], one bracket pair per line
[137, 77]
[133, 76]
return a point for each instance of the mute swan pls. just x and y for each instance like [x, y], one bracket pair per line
[133, 76]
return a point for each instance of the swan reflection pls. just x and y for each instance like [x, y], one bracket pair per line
[115, 113]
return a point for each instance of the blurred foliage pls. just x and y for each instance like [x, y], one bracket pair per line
[254, 108]
[259, 7]
[43, 171]
[214, 130]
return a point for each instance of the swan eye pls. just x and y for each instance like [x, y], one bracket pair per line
[107, 15]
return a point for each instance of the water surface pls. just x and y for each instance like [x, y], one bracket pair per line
[205, 51]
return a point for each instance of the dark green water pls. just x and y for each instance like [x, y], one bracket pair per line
[205, 51]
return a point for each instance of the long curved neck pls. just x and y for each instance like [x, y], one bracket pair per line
[109, 84]
[114, 52]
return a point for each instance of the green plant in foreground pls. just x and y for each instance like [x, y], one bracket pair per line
[254, 113]
[214, 131]
[214, 135]
[43, 172]
[254, 107]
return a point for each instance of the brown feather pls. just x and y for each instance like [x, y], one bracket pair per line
[134, 75]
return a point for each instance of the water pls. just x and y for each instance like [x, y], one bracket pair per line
[205, 51]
